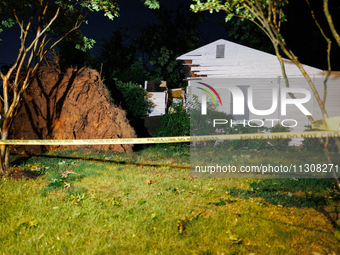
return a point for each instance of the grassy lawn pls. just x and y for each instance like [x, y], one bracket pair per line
[139, 203]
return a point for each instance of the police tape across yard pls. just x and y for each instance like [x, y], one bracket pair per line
[178, 139]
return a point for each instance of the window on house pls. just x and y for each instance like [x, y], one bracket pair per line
[220, 51]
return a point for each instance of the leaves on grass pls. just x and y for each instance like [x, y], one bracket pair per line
[194, 217]
[38, 167]
[65, 174]
[183, 222]
[27, 224]
[76, 198]
[233, 239]
[56, 183]
[181, 225]
[114, 201]
[148, 182]
[141, 202]
[63, 180]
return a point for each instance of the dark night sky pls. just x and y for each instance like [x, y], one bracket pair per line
[133, 15]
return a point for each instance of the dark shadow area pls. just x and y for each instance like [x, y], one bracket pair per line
[141, 132]
[23, 173]
[23, 158]
[282, 223]
[298, 193]
[145, 127]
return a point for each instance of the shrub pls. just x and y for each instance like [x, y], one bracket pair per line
[314, 144]
[203, 124]
[191, 122]
[254, 144]
[135, 98]
[175, 123]
[280, 144]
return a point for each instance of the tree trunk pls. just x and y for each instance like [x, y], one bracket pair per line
[4, 152]
[4, 159]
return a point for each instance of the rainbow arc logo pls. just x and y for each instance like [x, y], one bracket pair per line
[204, 99]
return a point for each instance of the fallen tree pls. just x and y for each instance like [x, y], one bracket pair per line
[70, 105]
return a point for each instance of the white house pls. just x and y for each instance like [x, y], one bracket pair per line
[158, 94]
[223, 63]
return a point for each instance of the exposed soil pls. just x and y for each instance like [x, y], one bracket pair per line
[23, 173]
[70, 105]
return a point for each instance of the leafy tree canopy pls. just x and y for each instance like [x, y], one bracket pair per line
[58, 17]
[160, 44]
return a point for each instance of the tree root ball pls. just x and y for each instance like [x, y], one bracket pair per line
[70, 105]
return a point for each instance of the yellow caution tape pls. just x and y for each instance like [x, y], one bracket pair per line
[177, 139]
[327, 124]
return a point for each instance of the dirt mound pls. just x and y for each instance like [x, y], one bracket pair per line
[70, 105]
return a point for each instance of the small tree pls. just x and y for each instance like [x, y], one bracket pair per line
[50, 21]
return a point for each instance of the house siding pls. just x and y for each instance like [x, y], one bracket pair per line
[244, 66]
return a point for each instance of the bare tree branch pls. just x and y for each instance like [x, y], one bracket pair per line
[330, 22]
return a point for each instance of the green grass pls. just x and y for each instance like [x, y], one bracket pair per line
[100, 206]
